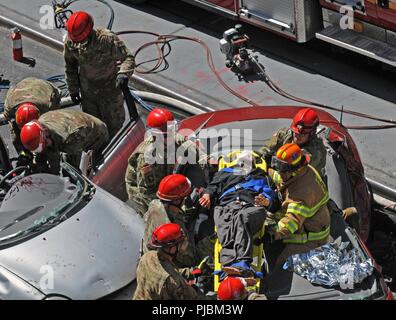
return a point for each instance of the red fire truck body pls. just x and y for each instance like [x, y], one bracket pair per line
[369, 30]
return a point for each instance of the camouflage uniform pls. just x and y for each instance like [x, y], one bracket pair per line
[256, 296]
[159, 213]
[314, 147]
[92, 69]
[40, 92]
[71, 132]
[160, 279]
[142, 179]
[305, 222]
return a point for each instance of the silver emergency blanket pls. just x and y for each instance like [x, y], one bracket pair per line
[331, 265]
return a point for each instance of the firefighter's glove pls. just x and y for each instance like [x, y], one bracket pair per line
[122, 81]
[75, 97]
[262, 201]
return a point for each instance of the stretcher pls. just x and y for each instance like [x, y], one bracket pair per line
[228, 161]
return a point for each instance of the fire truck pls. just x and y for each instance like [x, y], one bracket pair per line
[367, 27]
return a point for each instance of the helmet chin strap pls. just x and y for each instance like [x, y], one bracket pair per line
[179, 206]
[166, 250]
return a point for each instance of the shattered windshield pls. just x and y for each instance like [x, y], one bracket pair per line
[39, 202]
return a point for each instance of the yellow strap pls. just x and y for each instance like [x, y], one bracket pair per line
[222, 163]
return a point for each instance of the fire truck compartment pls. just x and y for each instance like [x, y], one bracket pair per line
[297, 19]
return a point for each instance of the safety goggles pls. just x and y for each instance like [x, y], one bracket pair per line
[281, 166]
[301, 129]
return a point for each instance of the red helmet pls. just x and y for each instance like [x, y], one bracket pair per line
[25, 113]
[231, 289]
[289, 157]
[79, 26]
[174, 187]
[167, 235]
[305, 121]
[158, 118]
[33, 136]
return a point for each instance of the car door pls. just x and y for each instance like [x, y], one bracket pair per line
[109, 170]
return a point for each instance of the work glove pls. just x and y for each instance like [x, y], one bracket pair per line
[122, 81]
[75, 97]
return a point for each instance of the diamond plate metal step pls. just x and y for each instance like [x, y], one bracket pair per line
[352, 40]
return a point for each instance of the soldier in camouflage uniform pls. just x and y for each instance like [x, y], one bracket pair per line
[40, 93]
[92, 57]
[67, 131]
[170, 208]
[302, 132]
[149, 163]
[158, 277]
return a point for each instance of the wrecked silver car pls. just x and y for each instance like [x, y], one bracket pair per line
[62, 237]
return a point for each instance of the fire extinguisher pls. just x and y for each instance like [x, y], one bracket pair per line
[17, 51]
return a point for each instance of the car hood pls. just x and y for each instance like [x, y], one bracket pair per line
[91, 254]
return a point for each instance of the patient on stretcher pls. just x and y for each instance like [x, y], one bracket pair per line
[241, 194]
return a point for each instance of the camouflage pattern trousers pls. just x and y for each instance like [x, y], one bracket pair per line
[106, 105]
